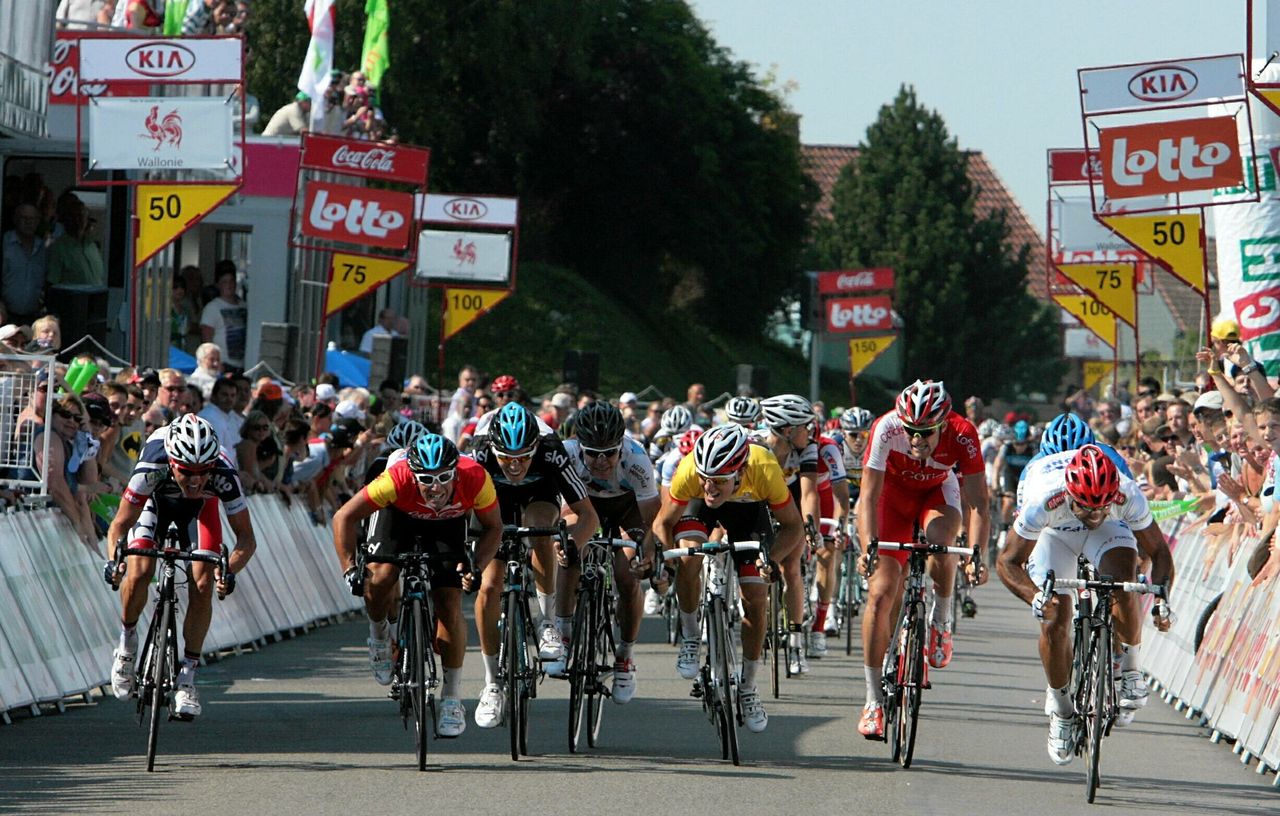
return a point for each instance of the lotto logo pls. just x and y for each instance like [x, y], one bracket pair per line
[1170, 157]
[357, 215]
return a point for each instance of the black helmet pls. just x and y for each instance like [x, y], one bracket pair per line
[599, 425]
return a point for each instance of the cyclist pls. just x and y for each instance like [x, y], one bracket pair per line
[790, 419]
[908, 482]
[666, 470]
[1012, 458]
[624, 492]
[675, 420]
[730, 482]
[401, 437]
[431, 492]
[532, 473]
[1080, 503]
[743, 411]
[1067, 432]
[855, 424]
[833, 500]
[181, 475]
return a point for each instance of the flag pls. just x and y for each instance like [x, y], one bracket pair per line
[376, 57]
[175, 11]
[314, 79]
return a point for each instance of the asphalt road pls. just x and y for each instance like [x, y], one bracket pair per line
[300, 727]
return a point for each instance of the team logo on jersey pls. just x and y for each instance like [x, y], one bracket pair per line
[1056, 500]
[637, 472]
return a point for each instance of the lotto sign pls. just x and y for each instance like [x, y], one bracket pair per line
[863, 351]
[357, 215]
[368, 159]
[160, 133]
[190, 59]
[165, 211]
[859, 314]
[351, 277]
[1161, 84]
[1170, 157]
[1173, 240]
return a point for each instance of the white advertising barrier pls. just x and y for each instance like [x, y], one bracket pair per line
[464, 257]
[1160, 84]
[160, 133]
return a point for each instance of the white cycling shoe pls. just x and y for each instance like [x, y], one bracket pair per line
[451, 717]
[186, 702]
[380, 661]
[753, 711]
[687, 662]
[1133, 690]
[122, 674]
[652, 601]
[550, 644]
[1062, 746]
[489, 709]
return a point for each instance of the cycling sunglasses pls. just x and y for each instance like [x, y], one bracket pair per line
[601, 453]
[429, 479]
[515, 457]
[719, 481]
[925, 432]
[190, 470]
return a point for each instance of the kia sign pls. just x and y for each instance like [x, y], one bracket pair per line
[470, 257]
[1161, 84]
[845, 281]
[1170, 157]
[1074, 166]
[160, 133]
[387, 162]
[846, 315]
[357, 215]
[465, 210]
[194, 59]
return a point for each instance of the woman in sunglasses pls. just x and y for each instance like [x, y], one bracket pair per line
[423, 501]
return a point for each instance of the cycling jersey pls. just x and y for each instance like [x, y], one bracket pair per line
[550, 478]
[1014, 463]
[797, 461]
[760, 480]
[830, 463]
[889, 450]
[667, 464]
[633, 473]
[852, 464]
[1048, 504]
[396, 487]
[1111, 453]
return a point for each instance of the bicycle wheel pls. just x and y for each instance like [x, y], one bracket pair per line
[417, 686]
[913, 686]
[600, 661]
[513, 635]
[723, 682]
[576, 667]
[1096, 721]
[848, 606]
[773, 640]
[159, 674]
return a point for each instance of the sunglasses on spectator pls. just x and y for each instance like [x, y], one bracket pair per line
[1168, 439]
[515, 457]
[600, 453]
[429, 479]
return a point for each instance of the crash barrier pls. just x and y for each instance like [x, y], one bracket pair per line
[1232, 683]
[59, 619]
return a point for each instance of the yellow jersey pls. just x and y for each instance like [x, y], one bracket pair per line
[759, 480]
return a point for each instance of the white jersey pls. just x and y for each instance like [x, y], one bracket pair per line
[667, 464]
[1048, 505]
[632, 474]
[990, 450]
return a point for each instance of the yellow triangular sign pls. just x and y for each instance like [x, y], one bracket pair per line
[1094, 371]
[863, 351]
[463, 306]
[351, 277]
[1174, 241]
[1113, 284]
[1271, 96]
[165, 211]
[1092, 315]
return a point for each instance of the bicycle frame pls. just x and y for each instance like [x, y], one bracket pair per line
[592, 641]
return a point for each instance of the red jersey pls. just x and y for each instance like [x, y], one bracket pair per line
[889, 450]
[472, 489]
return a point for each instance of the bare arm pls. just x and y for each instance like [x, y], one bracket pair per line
[868, 499]
[346, 527]
[246, 543]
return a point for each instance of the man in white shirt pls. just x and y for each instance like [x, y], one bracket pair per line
[225, 319]
[385, 325]
[208, 369]
[222, 416]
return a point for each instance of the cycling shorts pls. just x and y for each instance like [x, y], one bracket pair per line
[513, 499]
[617, 512]
[199, 516]
[392, 532]
[743, 521]
[902, 512]
[1058, 550]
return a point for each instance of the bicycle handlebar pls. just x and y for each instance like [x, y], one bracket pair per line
[178, 555]
[1137, 587]
[912, 546]
[614, 543]
[710, 548]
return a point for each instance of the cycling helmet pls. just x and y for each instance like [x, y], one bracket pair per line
[856, 419]
[676, 420]
[988, 428]
[721, 451]
[1065, 432]
[1092, 478]
[514, 429]
[191, 441]
[786, 410]
[432, 452]
[1004, 433]
[742, 410]
[567, 428]
[404, 434]
[688, 439]
[504, 383]
[923, 403]
[1021, 431]
[599, 425]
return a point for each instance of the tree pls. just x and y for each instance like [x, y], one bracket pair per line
[906, 202]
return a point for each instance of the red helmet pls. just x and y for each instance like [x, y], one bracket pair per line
[504, 383]
[923, 403]
[1092, 478]
[688, 439]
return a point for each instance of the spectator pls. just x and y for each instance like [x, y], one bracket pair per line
[78, 13]
[321, 418]
[184, 323]
[192, 400]
[561, 405]
[136, 14]
[22, 279]
[327, 394]
[222, 416]
[62, 456]
[75, 258]
[170, 394]
[208, 368]
[153, 419]
[390, 398]
[103, 427]
[127, 433]
[148, 379]
[244, 393]
[225, 319]
[255, 431]
[695, 396]
[15, 338]
[385, 326]
[468, 379]
[1176, 417]
[46, 335]
[291, 120]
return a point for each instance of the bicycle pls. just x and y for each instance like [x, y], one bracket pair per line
[590, 659]
[717, 682]
[519, 668]
[156, 675]
[780, 653]
[1093, 687]
[906, 671]
[962, 603]
[852, 592]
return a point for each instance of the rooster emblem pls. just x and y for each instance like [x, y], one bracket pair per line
[168, 129]
[464, 253]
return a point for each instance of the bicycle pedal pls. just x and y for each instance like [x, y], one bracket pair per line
[181, 717]
[696, 692]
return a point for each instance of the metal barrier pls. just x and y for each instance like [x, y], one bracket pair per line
[19, 379]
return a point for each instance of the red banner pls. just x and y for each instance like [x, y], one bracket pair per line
[1170, 157]
[357, 215]
[64, 79]
[388, 162]
[1074, 166]
[844, 281]
[844, 315]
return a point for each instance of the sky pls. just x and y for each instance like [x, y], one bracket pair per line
[1002, 73]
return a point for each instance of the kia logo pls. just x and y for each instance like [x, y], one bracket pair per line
[1164, 83]
[465, 209]
[160, 59]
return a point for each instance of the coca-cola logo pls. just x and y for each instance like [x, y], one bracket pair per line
[61, 71]
[375, 158]
[856, 280]
[848, 314]
[160, 59]
[357, 215]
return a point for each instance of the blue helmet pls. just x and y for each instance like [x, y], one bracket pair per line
[1065, 432]
[432, 452]
[514, 429]
[1021, 431]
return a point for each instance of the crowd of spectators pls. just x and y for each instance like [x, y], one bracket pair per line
[350, 109]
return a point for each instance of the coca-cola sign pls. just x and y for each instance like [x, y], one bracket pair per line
[1074, 166]
[844, 281]
[357, 215]
[389, 162]
[64, 81]
[846, 315]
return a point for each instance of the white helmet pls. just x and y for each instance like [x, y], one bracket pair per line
[721, 451]
[856, 419]
[988, 428]
[404, 434]
[1004, 433]
[190, 440]
[675, 421]
[787, 410]
[742, 410]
